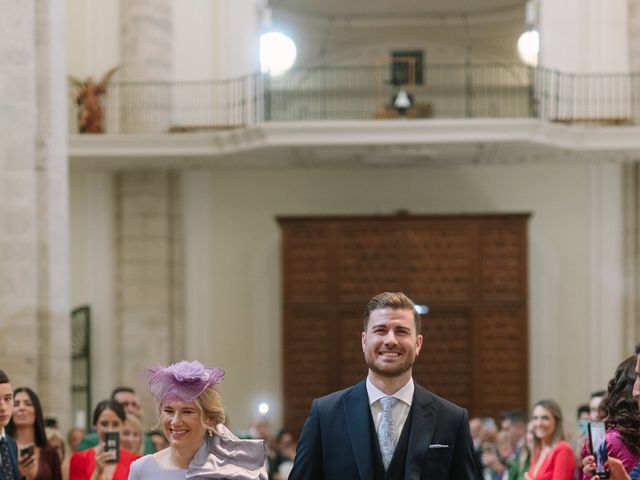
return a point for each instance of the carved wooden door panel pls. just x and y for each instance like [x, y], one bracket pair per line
[471, 271]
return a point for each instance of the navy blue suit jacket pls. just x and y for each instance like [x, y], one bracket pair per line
[13, 453]
[336, 441]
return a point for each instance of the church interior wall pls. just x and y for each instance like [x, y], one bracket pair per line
[243, 330]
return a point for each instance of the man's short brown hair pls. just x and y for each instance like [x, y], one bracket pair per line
[395, 301]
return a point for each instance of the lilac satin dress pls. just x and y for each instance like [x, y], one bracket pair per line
[147, 468]
[222, 456]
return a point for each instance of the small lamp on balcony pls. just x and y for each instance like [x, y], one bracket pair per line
[402, 101]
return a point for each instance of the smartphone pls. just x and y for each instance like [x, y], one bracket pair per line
[598, 444]
[26, 451]
[112, 444]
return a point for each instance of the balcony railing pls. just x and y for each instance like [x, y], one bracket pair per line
[367, 92]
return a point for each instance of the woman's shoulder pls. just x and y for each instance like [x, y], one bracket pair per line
[142, 462]
[84, 454]
[148, 467]
[127, 456]
[563, 448]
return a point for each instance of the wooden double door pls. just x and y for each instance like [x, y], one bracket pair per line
[471, 272]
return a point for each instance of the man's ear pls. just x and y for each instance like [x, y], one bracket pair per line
[364, 340]
[419, 341]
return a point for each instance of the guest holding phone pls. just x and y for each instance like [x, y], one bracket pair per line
[192, 418]
[553, 457]
[620, 413]
[36, 459]
[99, 462]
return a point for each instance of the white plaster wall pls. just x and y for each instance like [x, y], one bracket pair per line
[92, 261]
[239, 321]
[246, 294]
[593, 35]
[92, 37]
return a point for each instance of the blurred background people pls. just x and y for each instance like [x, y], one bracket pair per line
[285, 453]
[132, 434]
[96, 463]
[127, 397]
[158, 439]
[74, 437]
[553, 457]
[594, 405]
[56, 441]
[620, 413]
[36, 459]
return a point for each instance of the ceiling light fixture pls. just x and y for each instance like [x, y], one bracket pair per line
[529, 41]
[277, 53]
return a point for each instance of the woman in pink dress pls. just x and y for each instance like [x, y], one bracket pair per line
[553, 457]
[621, 416]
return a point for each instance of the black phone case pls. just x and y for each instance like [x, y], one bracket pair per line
[112, 444]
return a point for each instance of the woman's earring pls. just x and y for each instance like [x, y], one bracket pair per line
[210, 431]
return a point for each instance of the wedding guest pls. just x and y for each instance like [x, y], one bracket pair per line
[98, 463]
[8, 449]
[37, 460]
[132, 434]
[192, 418]
[553, 457]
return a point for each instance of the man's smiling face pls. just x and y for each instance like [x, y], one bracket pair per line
[391, 344]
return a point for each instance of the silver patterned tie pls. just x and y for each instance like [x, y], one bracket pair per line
[386, 432]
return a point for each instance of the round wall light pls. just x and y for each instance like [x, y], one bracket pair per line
[529, 47]
[277, 53]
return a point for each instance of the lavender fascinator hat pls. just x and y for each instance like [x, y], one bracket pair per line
[183, 381]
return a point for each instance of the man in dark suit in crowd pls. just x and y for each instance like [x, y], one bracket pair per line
[8, 449]
[387, 426]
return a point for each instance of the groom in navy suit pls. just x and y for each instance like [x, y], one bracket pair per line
[387, 426]
[8, 449]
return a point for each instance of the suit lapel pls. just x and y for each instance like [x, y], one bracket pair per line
[357, 412]
[422, 428]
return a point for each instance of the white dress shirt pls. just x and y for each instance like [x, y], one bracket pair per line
[400, 410]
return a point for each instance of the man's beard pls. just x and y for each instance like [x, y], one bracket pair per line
[389, 372]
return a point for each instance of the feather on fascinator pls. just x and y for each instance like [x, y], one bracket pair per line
[183, 381]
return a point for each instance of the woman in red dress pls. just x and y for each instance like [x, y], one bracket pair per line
[553, 457]
[96, 463]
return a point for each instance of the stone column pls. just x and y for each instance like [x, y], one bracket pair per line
[54, 366]
[634, 35]
[34, 311]
[197, 233]
[147, 46]
[607, 273]
[631, 175]
[148, 280]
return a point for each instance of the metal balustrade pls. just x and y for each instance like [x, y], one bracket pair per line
[367, 92]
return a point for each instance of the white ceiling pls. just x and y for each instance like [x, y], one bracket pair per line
[334, 31]
[390, 8]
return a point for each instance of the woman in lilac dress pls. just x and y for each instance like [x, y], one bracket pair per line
[620, 413]
[192, 418]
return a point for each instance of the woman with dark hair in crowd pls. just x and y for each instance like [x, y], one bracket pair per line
[37, 460]
[97, 463]
[620, 413]
[553, 457]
